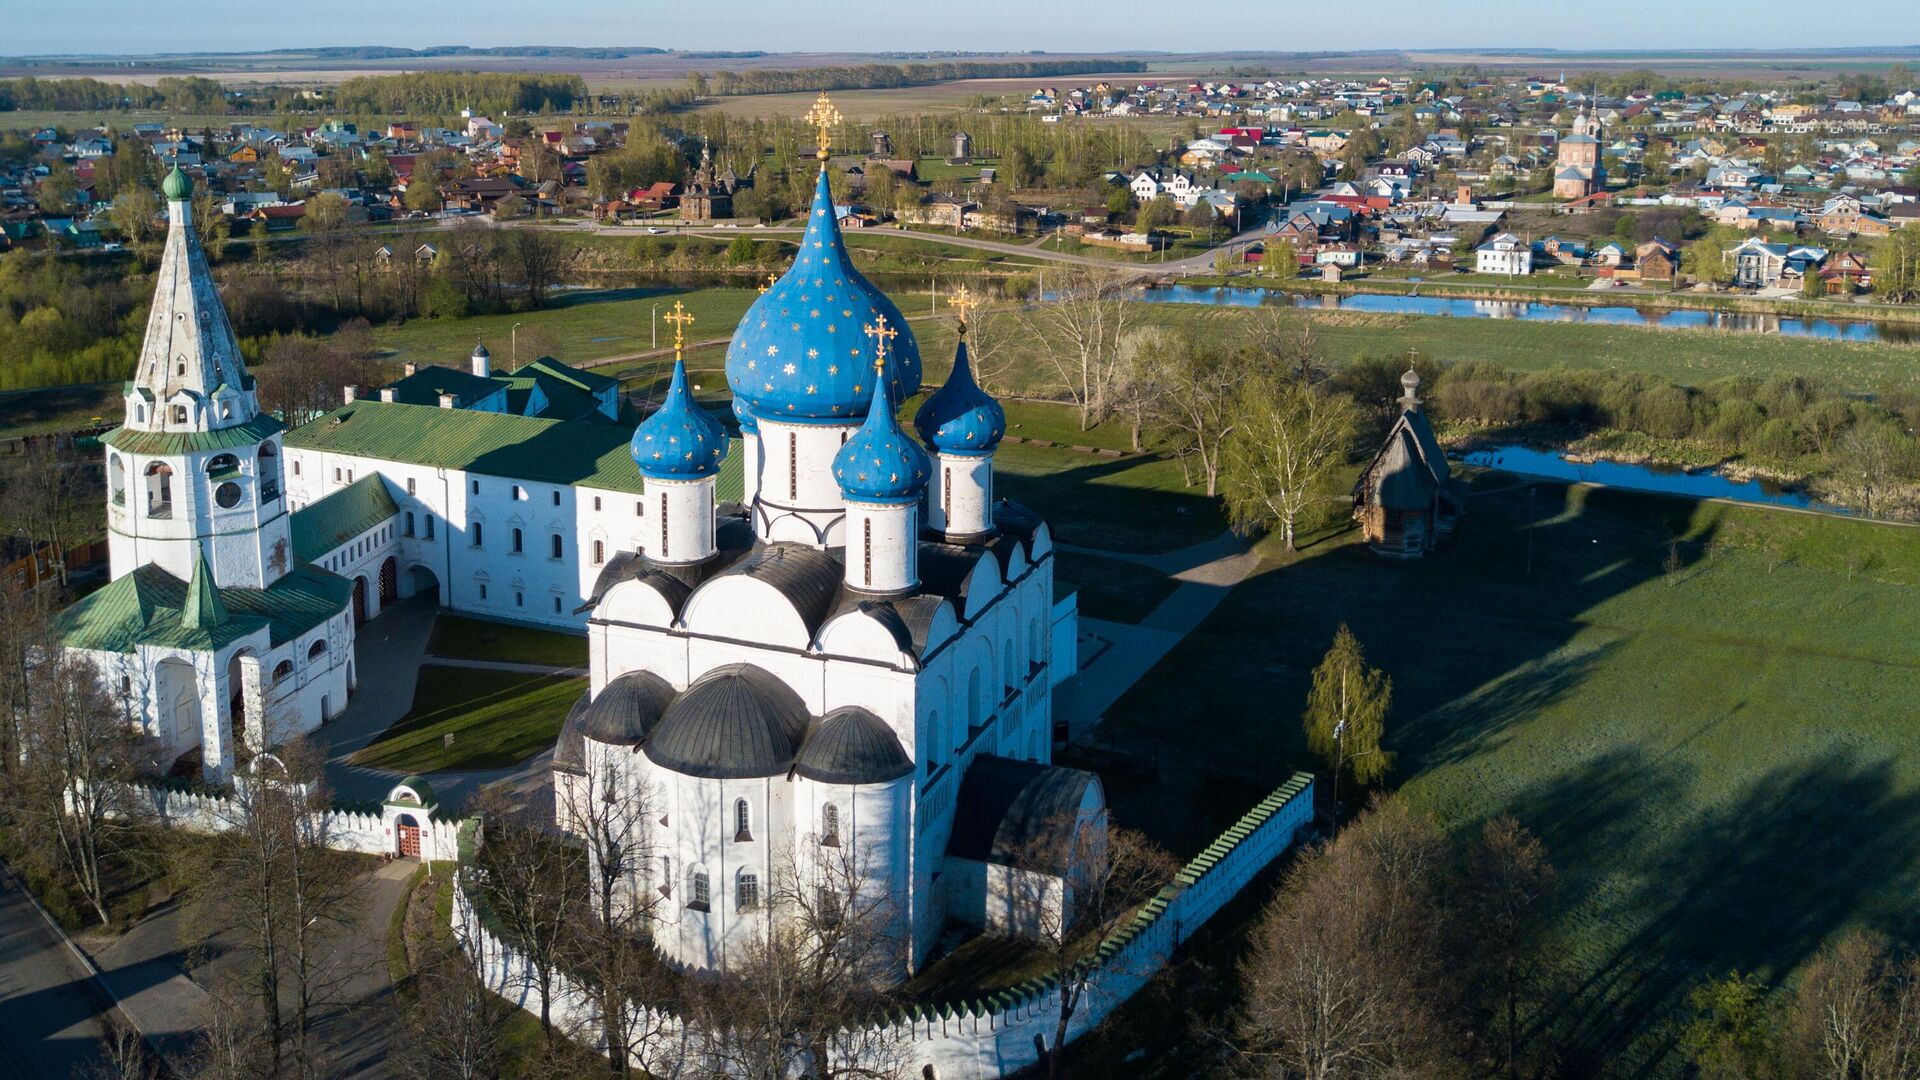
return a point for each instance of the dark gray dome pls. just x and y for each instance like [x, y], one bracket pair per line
[570, 753]
[853, 746]
[733, 722]
[627, 709]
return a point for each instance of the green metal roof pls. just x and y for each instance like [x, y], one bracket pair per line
[149, 605]
[178, 186]
[490, 444]
[203, 609]
[570, 392]
[426, 384]
[162, 443]
[324, 525]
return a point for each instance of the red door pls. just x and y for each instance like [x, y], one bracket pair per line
[409, 842]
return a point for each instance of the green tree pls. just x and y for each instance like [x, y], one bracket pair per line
[1813, 286]
[1019, 168]
[1734, 1029]
[1281, 260]
[1347, 713]
[1896, 267]
[59, 192]
[741, 252]
[1288, 438]
[422, 193]
[1706, 258]
[443, 299]
[136, 214]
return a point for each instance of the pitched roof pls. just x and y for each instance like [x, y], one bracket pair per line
[149, 606]
[324, 525]
[491, 444]
[169, 443]
[426, 384]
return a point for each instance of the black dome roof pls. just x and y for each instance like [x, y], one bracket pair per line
[570, 753]
[627, 709]
[853, 746]
[735, 721]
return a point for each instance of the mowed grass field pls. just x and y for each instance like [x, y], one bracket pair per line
[1722, 757]
[496, 719]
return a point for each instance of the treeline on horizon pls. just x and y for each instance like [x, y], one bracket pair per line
[434, 92]
[890, 76]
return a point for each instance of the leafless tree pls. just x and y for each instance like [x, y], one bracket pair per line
[455, 1022]
[525, 873]
[275, 888]
[303, 377]
[1509, 883]
[1872, 459]
[23, 637]
[1346, 975]
[70, 787]
[1284, 339]
[1070, 885]
[52, 497]
[1143, 351]
[805, 995]
[123, 1056]
[990, 348]
[1087, 316]
[1855, 1013]
[539, 258]
[607, 942]
[1195, 404]
[1287, 438]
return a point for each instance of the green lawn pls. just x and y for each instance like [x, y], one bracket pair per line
[1722, 759]
[1112, 589]
[461, 638]
[59, 408]
[496, 718]
[1119, 504]
[579, 326]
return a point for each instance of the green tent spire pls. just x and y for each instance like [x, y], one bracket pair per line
[204, 611]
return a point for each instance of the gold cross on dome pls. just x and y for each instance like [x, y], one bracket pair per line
[680, 318]
[966, 303]
[823, 116]
[881, 334]
[772, 279]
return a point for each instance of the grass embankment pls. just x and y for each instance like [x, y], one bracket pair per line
[1704, 710]
[461, 638]
[496, 719]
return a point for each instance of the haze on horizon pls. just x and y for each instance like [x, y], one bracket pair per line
[138, 28]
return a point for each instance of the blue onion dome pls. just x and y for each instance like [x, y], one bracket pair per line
[796, 354]
[679, 441]
[880, 464]
[748, 424]
[960, 418]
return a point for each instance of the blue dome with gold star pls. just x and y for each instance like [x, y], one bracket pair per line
[748, 424]
[679, 441]
[797, 354]
[880, 463]
[960, 418]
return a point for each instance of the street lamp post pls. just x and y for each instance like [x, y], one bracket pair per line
[654, 322]
[513, 336]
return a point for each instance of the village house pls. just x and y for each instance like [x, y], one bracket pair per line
[1504, 254]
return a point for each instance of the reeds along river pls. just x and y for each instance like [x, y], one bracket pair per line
[1532, 311]
[1660, 479]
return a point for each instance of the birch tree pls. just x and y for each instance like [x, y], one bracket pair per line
[1083, 323]
[1288, 437]
[1346, 713]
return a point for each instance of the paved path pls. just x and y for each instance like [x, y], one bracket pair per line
[146, 968]
[388, 652]
[48, 1003]
[359, 1034]
[1116, 655]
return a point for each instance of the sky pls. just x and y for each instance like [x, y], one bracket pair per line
[142, 26]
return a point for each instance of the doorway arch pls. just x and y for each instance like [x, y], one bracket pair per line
[359, 599]
[389, 581]
[176, 701]
[422, 582]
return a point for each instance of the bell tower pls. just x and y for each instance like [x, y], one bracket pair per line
[194, 469]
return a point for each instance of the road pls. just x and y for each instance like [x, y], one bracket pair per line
[47, 999]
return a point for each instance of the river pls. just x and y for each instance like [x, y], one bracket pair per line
[1661, 479]
[1534, 311]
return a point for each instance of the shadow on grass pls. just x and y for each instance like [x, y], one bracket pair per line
[1757, 884]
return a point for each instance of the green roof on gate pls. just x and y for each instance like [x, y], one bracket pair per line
[322, 526]
[150, 607]
[567, 452]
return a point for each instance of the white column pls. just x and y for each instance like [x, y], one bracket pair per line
[749, 466]
[799, 498]
[960, 498]
[883, 547]
[680, 529]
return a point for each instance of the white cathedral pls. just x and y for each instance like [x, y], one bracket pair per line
[825, 638]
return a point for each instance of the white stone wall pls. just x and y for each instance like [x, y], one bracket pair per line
[960, 494]
[489, 578]
[799, 500]
[240, 541]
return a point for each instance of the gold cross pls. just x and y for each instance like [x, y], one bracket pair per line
[881, 334]
[823, 116]
[772, 279]
[966, 303]
[680, 318]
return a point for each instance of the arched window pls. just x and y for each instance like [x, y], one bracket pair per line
[830, 825]
[519, 539]
[317, 650]
[159, 490]
[267, 464]
[974, 715]
[599, 552]
[179, 414]
[697, 894]
[746, 892]
[742, 821]
[556, 545]
[936, 741]
[117, 479]
[222, 463]
[475, 529]
[282, 669]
